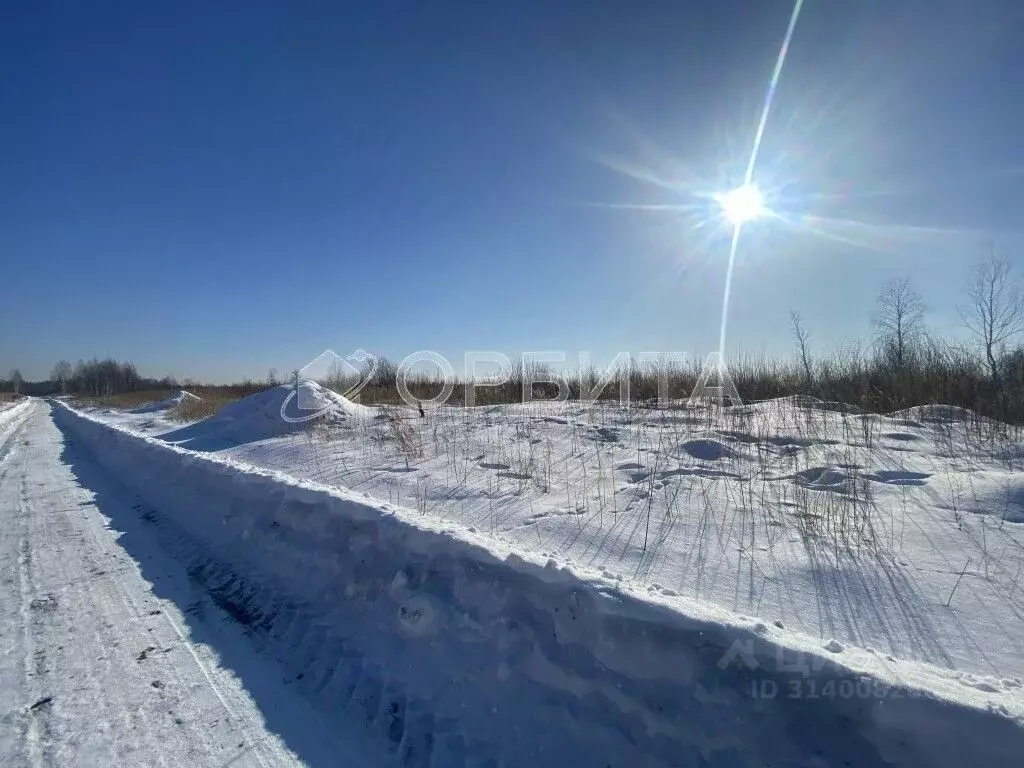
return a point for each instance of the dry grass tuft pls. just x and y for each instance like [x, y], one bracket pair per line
[211, 400]
[126, 399]
[208, 404]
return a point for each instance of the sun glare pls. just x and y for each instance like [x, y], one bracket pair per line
[742, 204]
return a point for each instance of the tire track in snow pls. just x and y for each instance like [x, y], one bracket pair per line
[130, 606]
[247, 724]
[31, 719]
[31, 737]
[72, 691]
[37, 542]
[124, 610]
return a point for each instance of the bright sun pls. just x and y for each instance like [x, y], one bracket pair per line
[742, 204]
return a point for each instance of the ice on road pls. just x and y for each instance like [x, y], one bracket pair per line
[98, 665]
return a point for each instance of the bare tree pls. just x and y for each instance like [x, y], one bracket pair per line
[898, 319]
[61, 375]
[994, 311]
[272, 379]
[16, 380]
[801, 336]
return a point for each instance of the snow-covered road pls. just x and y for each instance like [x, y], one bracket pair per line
[98, 665]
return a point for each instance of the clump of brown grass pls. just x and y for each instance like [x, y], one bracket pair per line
[210, 400]
[205, 404]
[126, 399]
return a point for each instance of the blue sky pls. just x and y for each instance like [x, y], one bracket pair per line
[213, 189]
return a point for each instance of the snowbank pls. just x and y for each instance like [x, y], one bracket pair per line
[9, 407]
[10, 416]
[1000, 494]
[460, 654]
[259, 417]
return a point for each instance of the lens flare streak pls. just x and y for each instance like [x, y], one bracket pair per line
[772, 85]
[749, 175]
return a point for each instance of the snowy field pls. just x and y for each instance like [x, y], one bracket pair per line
[901, 534]
[173, 606]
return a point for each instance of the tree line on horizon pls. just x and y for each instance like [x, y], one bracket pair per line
[95, 377]
[904, 364]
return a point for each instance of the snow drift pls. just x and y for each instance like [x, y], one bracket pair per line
[457, 653]
[259, 417]
[10, 408]
[11, 416]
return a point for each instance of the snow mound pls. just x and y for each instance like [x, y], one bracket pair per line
[824, 478]
[1000, 494]
[167, 403]
[937, 414]
[816, 404]
[267, 414]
